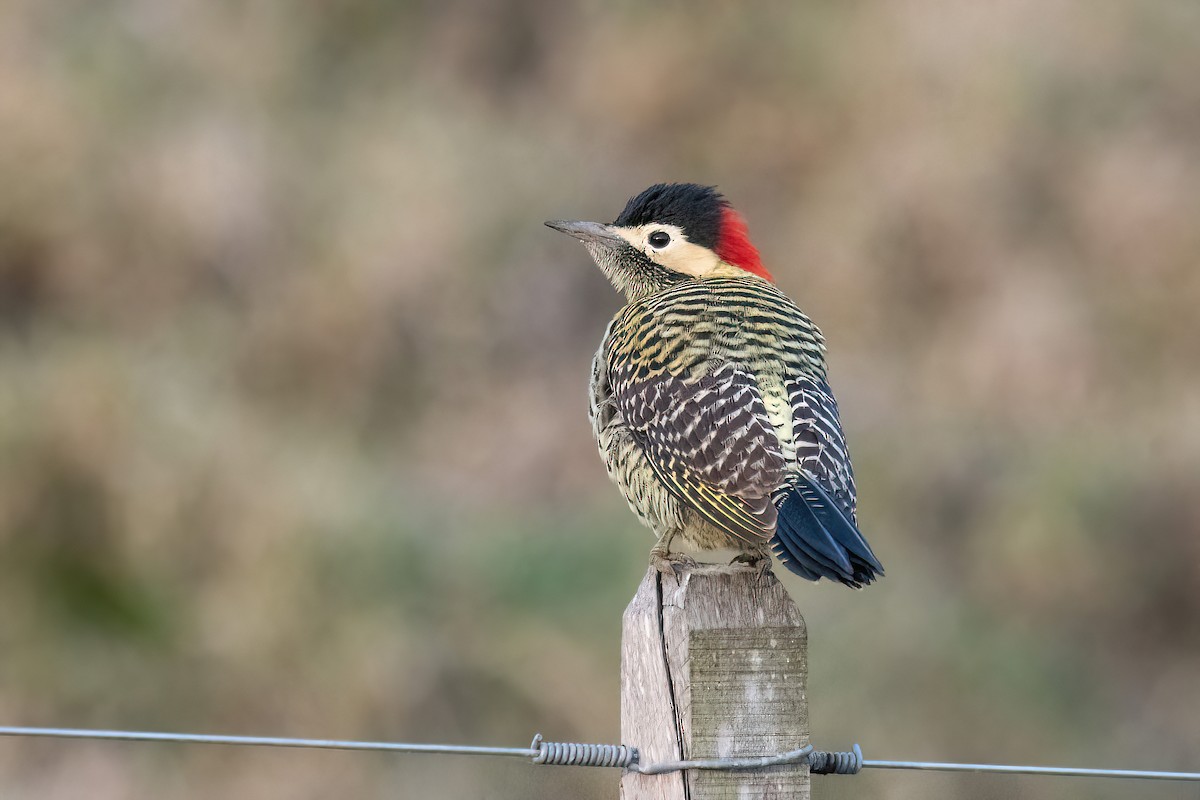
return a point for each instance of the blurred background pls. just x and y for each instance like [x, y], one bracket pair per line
[292, 379]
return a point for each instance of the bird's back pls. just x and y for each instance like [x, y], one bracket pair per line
[689, 330]
[716, 320]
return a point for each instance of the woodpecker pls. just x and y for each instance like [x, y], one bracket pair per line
[709, 398]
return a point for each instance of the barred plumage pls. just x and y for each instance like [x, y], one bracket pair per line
[709, 398]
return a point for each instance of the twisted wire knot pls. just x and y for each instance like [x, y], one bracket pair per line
[821, 762]
[575, 754]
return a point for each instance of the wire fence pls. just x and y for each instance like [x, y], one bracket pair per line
[576, 754]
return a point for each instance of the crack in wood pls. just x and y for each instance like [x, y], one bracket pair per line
[680, 739]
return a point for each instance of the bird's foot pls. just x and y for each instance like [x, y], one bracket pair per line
[670, 563]
[758, 561]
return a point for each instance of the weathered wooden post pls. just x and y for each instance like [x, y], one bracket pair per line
[714, 663]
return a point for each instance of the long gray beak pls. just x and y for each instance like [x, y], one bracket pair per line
[588, 232]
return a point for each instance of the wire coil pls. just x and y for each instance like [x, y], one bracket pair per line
[575, 754]
[821, 762]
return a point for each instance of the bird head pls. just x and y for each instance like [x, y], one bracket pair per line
[670, 233]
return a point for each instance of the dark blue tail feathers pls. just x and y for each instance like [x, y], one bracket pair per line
[816, 538]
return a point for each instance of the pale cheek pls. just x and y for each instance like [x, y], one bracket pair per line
[689, 259]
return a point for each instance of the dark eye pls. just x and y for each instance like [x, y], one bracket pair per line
[659, 239]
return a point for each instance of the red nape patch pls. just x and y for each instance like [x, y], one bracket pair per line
[734, 245]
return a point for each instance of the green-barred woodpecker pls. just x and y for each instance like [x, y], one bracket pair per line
[709, 397]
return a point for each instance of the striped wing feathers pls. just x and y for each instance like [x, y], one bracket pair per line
[820, 442]
[709, 441]
[715, 426]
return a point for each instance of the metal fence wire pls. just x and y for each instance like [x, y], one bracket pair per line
[575, 754]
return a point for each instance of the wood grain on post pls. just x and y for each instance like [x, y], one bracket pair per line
[714, 664]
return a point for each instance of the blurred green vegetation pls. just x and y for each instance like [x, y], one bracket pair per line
[292, 379]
